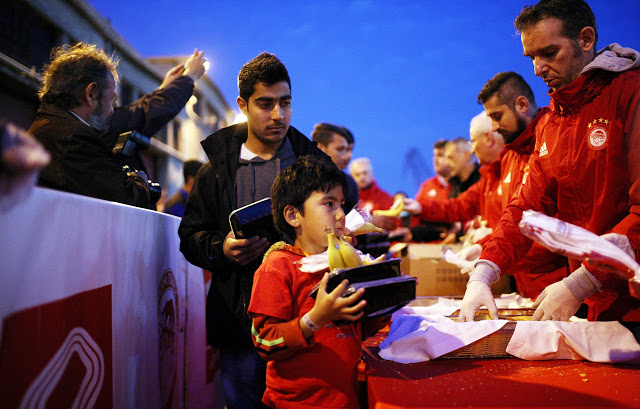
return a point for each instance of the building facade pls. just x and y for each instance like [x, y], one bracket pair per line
[30, 29]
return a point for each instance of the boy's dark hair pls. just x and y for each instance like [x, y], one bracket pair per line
[507, 86]
[265, 68]
[295, 184]
[190, 168]
[323, 133]
[574, 14]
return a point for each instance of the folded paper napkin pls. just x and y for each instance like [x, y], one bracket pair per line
[416, 336]
[591, 341]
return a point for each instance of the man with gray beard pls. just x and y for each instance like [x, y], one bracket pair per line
[77, 122]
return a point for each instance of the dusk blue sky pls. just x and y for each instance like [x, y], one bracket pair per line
[398, 74]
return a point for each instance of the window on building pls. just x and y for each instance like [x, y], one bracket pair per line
[177, 134]
[26, 36]
[127, 93]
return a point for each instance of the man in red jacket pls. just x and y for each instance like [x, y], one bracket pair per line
[484, 197]
[437, 187]
[511, 117]
[372, 195]
[585, 167]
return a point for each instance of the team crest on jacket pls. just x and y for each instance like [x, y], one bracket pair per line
[597, 134]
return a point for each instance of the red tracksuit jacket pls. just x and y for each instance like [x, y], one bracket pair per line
[584, 171]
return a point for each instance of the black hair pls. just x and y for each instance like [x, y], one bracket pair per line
[190, 168]
[574, 14]
[323, 133]
[507, 86]
[440, 144]
[295, 184]
[265, 68]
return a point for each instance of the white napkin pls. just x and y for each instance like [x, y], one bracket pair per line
[417, 338]
[422, 333]
[450, 257]
[592, 341]
[444, 306]
[513, 301]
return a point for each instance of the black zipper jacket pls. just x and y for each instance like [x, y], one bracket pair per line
[205, 225]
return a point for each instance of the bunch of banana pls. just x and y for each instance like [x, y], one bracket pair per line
[333, 251]
[394, 211]
[367, 228]
[341, 254]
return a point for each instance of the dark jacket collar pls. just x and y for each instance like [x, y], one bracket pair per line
[226, 142]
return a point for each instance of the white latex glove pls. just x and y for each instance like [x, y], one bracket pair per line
[559, 301]
[469, 253]
[478, 292]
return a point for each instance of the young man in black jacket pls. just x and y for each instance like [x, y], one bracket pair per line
[244, 160]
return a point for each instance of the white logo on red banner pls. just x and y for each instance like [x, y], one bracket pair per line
[78, 342]
[59, 354]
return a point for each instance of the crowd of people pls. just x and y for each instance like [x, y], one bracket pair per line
[576, 160]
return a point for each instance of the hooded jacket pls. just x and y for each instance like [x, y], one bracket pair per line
[585, 169]
[205, 225]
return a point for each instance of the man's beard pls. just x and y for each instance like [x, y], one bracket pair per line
[512, 136]
[97, 120]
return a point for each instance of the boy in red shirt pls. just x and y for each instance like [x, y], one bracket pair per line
[312, 362]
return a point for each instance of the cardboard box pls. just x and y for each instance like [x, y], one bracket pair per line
[436, 276]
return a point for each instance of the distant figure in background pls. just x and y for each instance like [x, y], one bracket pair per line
[77, 123]
[337, 142]
[464, 173]
[371, 194]
[464, 169]
[175, 204]
[437, 188]
[483, 198]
